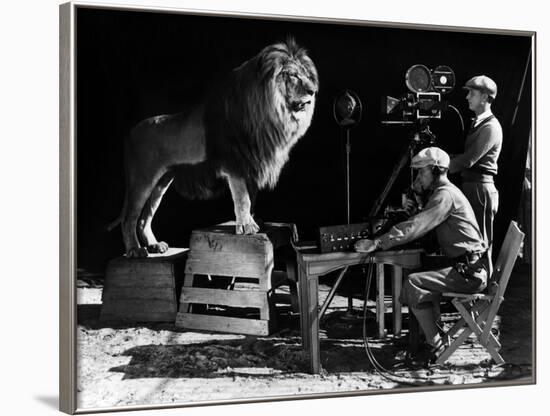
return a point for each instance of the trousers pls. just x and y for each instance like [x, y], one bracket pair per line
[483, 198]
[423, 289]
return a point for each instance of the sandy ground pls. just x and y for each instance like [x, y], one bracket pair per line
[161, 364]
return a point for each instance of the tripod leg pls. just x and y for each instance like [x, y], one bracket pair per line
[395, 173]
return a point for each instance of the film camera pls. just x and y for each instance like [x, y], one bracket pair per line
[424, 100]
[416, 109]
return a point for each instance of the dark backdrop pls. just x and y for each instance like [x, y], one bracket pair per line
[133, 65]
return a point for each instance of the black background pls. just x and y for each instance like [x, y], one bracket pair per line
[133, 65]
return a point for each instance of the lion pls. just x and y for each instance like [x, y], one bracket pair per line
[239, 134]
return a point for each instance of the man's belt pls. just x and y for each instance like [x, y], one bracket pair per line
[470, 258]
[481, 171]
[468, 265]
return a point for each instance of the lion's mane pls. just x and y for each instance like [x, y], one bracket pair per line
[250, 123]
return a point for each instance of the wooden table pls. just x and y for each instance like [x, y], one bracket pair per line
[312, 264]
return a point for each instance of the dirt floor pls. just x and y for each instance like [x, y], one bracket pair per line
[160, 364]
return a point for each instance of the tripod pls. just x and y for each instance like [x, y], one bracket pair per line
[422, 136]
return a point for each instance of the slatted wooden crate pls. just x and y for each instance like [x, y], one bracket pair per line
[143, 290]
[217, 252]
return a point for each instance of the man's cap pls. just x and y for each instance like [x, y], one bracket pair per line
[482, 83]
[430, 156]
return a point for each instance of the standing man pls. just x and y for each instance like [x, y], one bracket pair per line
[448, 212]
[478, 163]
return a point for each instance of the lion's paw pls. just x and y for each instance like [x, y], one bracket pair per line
[160, 247]
[248, 228]
[137, 252]
[251, 228]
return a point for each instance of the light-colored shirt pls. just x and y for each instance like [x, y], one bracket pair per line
[482, 117]
[449, 213]
[478, 163]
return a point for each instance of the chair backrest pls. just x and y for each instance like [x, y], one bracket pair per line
[501, 273]
[507, 257]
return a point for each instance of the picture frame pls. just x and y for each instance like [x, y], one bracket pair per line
[70, 160]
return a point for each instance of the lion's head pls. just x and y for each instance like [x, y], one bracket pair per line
[267, 106]
[295, 76]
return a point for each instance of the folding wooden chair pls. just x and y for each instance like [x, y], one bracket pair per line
[478, 311]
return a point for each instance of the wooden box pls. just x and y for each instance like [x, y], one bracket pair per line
[143, 290]
[218, 252]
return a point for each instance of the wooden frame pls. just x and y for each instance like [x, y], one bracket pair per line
[68, 180]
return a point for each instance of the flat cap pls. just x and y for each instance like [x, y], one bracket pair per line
[430, 156]
[482, 83]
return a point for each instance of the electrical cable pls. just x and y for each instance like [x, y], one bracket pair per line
[378, 368]
[459, 116]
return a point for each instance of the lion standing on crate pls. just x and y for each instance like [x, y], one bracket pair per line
[240, 134]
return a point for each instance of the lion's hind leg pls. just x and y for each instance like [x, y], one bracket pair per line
[144, 226]
[129, 224]
[138, 193]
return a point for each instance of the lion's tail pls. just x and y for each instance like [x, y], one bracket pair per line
[109, 227]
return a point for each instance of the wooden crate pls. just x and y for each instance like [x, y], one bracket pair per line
[143, 290]
[216, 252]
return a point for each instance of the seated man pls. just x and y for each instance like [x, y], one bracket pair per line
[448, 212]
